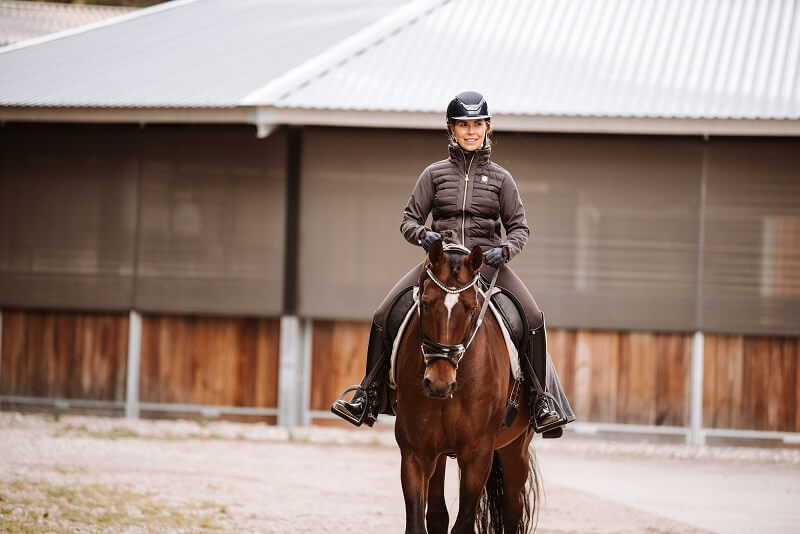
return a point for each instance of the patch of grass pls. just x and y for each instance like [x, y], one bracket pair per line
[118, 432]
[123, 432]
[35, 507]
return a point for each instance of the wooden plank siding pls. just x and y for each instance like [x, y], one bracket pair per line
[338, 356]
[64, 355]
[225, 361]
[750, 383]
[624, 377]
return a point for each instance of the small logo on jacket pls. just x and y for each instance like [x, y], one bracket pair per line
[484, 179]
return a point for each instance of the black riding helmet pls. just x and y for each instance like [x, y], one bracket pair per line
[466, 106]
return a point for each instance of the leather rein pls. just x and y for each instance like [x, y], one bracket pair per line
[433, 350]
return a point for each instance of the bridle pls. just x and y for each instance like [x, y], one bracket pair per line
[433, 350]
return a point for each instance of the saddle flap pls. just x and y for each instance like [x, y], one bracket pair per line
[512, 315]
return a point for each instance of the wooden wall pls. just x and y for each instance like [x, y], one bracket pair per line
[64, 355]
[230, 361]
[339, 355]
[624, 377]
[751, 383]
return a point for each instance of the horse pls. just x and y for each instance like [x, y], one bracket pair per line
[451, 399]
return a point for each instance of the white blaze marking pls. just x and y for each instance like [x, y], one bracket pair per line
[449, 301]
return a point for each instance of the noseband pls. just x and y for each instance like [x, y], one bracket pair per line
[433, 350]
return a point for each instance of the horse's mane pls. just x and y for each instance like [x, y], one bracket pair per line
[450, 237]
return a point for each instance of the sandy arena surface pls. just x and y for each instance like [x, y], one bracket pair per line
[90, 474]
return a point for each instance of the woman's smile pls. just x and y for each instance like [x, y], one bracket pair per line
[470, 133]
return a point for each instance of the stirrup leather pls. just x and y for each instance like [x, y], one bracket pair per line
[337, 409]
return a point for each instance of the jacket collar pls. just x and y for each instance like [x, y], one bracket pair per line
[459, 157]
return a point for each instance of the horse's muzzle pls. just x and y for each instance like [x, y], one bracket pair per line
[438, 389]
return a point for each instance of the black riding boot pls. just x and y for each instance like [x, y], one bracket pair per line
[549, 406]
[540, 408]
[368, 399]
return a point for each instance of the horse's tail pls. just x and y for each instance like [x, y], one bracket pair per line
[531, 495]
[489, 517]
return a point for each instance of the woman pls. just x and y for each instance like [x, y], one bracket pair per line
[471, 195]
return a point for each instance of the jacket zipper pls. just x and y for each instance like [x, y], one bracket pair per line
[464, 204]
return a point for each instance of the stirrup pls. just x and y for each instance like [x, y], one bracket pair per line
[338, 410]
[560, 420]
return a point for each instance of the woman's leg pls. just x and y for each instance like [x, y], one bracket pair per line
[509, 280]
[374, 382]
[410, 279]
[536, 348]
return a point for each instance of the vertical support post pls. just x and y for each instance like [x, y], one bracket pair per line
[696, 435]
[1, 348]
[292, 371]
[305, 382]
[291, 387]
[134, 359]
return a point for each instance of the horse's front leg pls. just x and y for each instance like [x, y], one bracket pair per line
[415, 471]
[475, 467]
[437, 517]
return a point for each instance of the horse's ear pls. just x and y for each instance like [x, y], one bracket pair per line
[436, 252]
[475, 259]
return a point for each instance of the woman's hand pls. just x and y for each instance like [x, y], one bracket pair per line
[427, 238]
[496, 256]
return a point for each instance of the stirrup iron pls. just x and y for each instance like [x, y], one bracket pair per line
[337, 410]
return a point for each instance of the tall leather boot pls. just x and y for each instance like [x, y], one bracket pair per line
[369, 397]
[550, 406]
[540, 406]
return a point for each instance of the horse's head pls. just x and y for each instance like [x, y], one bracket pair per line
[447, 307]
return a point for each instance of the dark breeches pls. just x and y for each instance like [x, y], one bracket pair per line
[507, 279]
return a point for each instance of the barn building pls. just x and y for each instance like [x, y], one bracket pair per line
[200, 201]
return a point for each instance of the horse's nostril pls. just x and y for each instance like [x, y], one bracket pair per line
[427, 383]
[453, 386]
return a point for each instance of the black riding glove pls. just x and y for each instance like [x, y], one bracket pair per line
[427, 237]
[496, 256]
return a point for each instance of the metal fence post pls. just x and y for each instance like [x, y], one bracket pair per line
[134, 359]
[292, 391]
[696, 435]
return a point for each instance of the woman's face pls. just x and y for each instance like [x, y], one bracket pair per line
[470, 133]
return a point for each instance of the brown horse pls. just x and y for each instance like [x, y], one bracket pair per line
[438, 417]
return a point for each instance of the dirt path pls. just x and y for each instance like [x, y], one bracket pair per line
[110, 475]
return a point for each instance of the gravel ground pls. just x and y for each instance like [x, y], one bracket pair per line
[92, 474]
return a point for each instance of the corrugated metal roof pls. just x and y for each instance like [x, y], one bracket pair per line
[187, 53]
[613, 58]
[20, 21]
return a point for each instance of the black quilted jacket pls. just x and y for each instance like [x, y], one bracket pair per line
[471, 195]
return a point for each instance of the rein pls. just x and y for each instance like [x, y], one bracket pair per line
[432, 350]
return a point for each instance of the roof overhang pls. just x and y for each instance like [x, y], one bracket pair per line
[138, 115]
[531, 123]
[267, 118]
